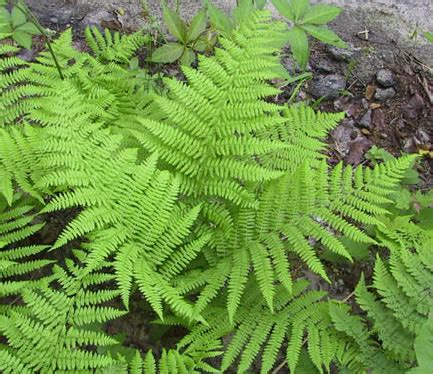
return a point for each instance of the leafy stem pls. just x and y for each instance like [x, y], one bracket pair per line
[32, 18]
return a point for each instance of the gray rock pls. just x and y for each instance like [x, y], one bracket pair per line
[325, 66]
[365, 120]
[292, 66]
[385, 78]
[383, 94]
[342, 54]
[95, 18]
[27, 54]
[328, 86]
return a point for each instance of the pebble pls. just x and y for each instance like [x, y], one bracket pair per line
[95, 18]
[329, 86]
[342, 54]
[292, 66]
[385, 78]
[54, 20]
[365, 120]
[325, 66]
[383, 94]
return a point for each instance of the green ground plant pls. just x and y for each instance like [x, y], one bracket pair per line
[16, 25]
[308, 21]
[207, 202]
[191, 38]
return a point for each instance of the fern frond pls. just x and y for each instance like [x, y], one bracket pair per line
[114, 47]
[222, 105]
[17, 224]
[51, 332]
[404, 298]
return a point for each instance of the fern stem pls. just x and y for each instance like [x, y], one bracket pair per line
[284, 362]
[35, 21]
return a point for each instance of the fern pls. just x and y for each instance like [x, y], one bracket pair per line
[312, 205]
[202, 200]
[205, 130]
[117, 96]
[191, 360]
[255, 330]
[17, 262]
[404, 289]
[359, 353]
[109, 47]
[51, 332]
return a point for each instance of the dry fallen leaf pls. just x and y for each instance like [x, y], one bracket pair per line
[370, 91]
[412, 109]
[375, 106]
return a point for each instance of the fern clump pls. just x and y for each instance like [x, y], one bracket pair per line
[210, 201]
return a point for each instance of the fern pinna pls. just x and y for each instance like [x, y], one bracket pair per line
[203, 200]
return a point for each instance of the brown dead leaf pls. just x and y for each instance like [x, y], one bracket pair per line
[378, 120]
[112, 25]
[412, 109]
[375, 106]
[370, 91]
[357, 150]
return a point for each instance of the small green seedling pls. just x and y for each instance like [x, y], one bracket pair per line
[191, 38]
[308, 21]
[15, 25]
[429, 36]
[376, 155]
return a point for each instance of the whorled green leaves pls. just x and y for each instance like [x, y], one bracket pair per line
[308, 20]
[15, 25]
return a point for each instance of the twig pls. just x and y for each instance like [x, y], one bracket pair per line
[424, 85]
[282, 364]
[365, 32]
[347, 297]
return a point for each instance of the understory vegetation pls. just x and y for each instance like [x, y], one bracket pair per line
[204, 200]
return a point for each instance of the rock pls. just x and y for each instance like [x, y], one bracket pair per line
[27, 54]
[292, 66]
[342, 54]
[97, 17]
[383, 94]
[365, 120]
[413, 108]
[385, 78]
[54, 20]
[328, 86]
[324, 66]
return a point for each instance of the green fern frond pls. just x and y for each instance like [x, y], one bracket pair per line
[51, 332]
[114, 47]
[359, 353]
[222, 105]
[256, 330]
[17, 258]
[404, 298]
